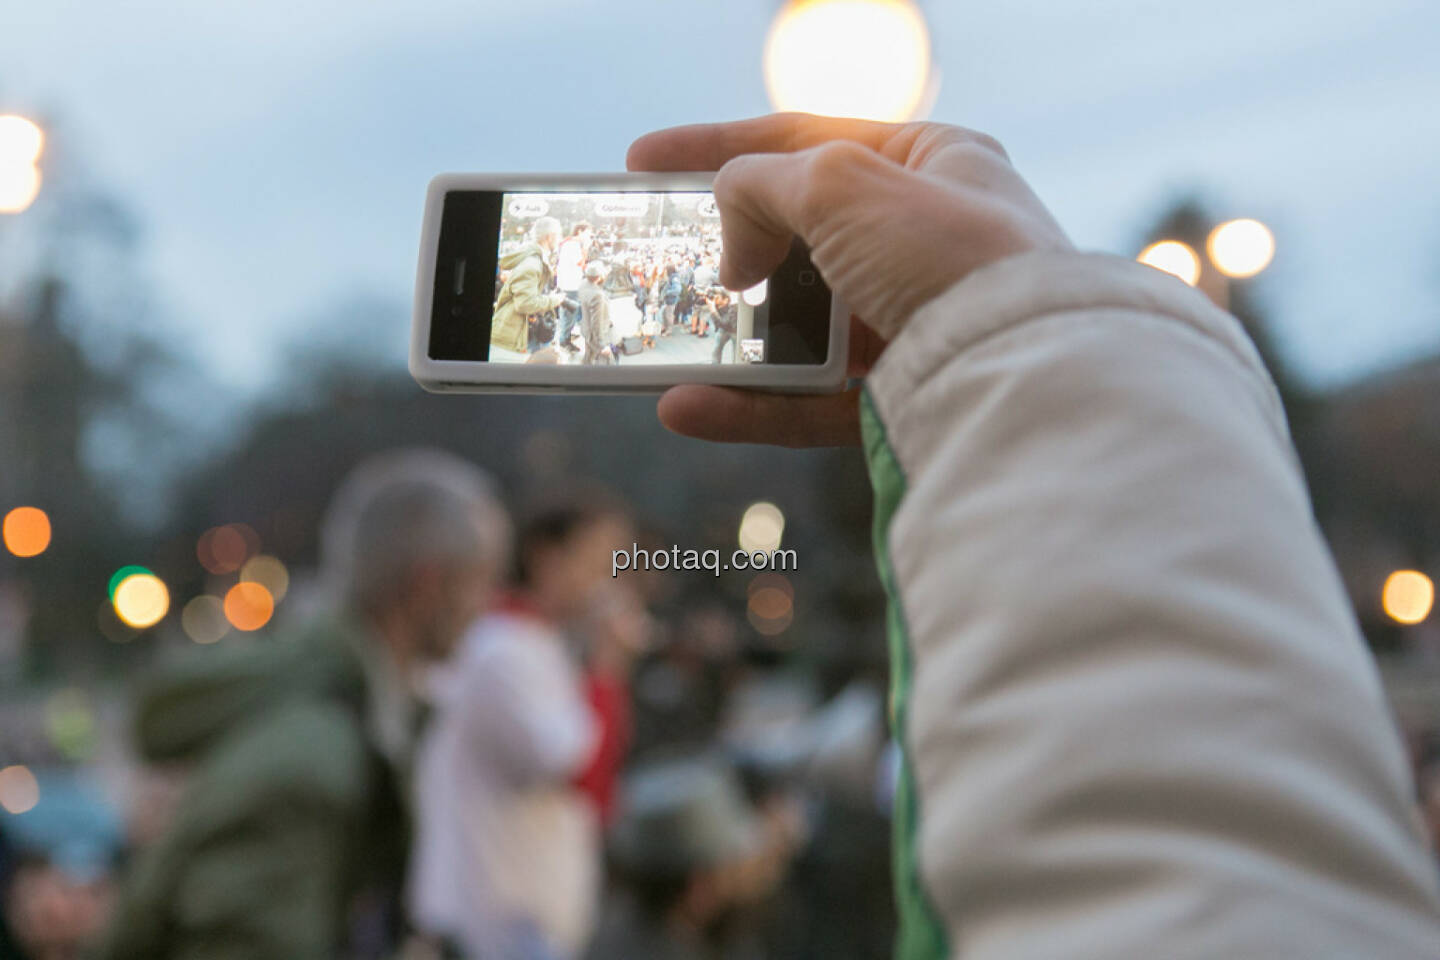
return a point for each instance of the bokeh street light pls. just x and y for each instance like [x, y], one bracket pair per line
[1241, 248]
[269, 572]
[121, 575]
[248, 606]
[19, 790]
[26, 531]
[761, 527]
[225, 549]
[1408, 596]
[1173, 257]
[851, 58]
[1234, 250]
[70, 723]
[203, 619]
[770, 603]
[141, 600]
[21, 141]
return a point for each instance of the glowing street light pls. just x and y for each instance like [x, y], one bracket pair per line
[203, 619]
[770, 603]
[851, 58]
[121, 575]
[141, 600]
[1241, 248]
[269, 572]
[19, 187]
[26, 531]
[19, 790]
[1173, 257]
[225, 549]
[248, 606]
[1408, 596]
[20, 144]
[20, 140]
[761, 527]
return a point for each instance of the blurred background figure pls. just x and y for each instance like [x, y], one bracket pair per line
[57, 866]
[519, 770]
[691, 854]
[290, 836]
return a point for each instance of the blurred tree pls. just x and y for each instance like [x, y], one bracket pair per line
[84, 432]
[57, 392]
[1370, 449]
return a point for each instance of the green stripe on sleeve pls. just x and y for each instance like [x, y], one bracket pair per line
[921, 935]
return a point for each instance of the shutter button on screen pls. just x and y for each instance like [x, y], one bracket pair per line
[806, 278]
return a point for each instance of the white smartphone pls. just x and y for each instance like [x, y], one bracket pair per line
[592, 283]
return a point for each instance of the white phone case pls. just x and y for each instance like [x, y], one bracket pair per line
[462, 376]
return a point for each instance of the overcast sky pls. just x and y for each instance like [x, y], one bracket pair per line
[277, 151]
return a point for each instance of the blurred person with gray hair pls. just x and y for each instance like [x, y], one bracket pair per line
[291, 835]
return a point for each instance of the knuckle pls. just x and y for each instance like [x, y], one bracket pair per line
[988, 143]
[726, 178]
[926, 140]
[836, 160]
[829, 173]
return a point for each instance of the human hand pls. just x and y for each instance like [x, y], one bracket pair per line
[893, 214]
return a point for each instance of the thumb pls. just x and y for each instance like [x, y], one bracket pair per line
[767, 199]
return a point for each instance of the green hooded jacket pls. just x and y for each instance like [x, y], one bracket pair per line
[521, 297]
[289, 813]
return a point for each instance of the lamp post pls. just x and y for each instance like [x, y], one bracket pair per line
[1175, 257]
[1240, 248]
[851, 58]
[1233, 250]
[1222, 259]
[21, 141]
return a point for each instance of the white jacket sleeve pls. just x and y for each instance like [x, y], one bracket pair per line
[523, 710]
[1137, 715]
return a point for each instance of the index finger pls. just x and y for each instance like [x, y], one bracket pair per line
[709, 146]
[729, 415]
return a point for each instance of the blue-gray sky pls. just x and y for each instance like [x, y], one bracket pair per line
[277, 151]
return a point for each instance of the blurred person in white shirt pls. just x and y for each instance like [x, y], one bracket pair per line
[569, 275]
[506, 862]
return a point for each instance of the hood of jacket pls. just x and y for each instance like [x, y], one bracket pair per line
[512, 260]
[190, 704]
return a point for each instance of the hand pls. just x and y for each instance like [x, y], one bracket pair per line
[894, 215]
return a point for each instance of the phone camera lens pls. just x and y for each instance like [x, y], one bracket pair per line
[806, 278]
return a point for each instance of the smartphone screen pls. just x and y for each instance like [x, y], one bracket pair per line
[610, 278]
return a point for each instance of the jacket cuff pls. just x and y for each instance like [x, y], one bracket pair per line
[1012, 292]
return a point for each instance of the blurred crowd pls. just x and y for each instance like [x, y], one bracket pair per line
[478, 743]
